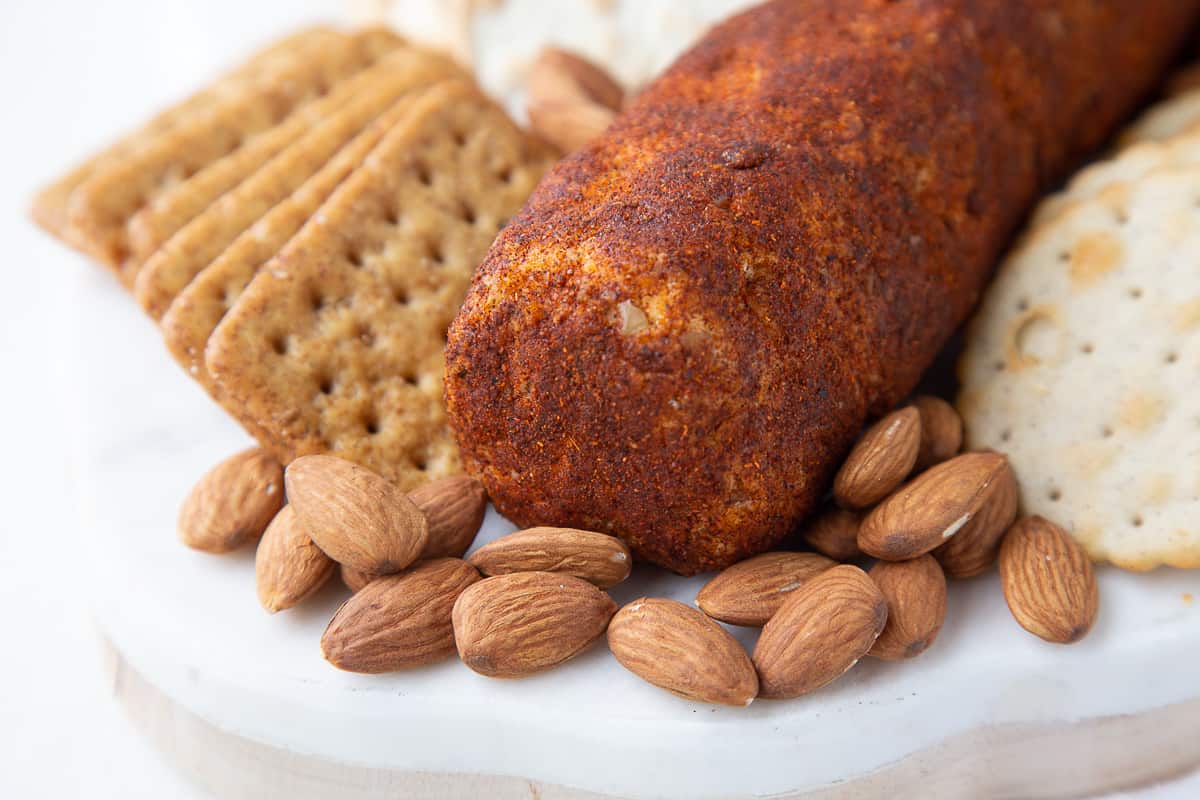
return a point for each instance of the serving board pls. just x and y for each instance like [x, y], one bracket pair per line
[244, 702]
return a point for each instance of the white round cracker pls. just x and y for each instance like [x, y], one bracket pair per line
[1171, 117]
[1082, 364]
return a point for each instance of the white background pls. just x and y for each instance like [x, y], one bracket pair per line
[71, 76]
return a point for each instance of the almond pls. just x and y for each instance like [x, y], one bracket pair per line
[973, 549]
[880, 461]
[453, 509]
[1048, 581]
[514, 625]
[941, 431]
[677, 648]
[749, 592]
[233, 503]
[355, 516]
[834, 533]
[288, 566]
[399, 621]
[596, 557]
[916, 599]
[931, 508]
[821, 631]
[354, 579]
[571, 101]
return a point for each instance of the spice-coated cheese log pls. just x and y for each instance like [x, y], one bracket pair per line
[685, 329]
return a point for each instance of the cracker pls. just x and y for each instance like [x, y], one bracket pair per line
[1179, 114]
[1128, 165]
[199, 308]
[1081, 365]
[202, 239]
[49, 207]
[100, 207]
[337, 343]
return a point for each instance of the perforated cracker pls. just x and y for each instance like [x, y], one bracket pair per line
[1082, 363]
[337, 344]
[50, 204]
[173, 266]
[199, 308]
[99, 209]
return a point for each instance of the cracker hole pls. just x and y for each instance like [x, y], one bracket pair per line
[1121, 216]
[325, 385]
[459, 137]
[392, 214]
[423, 174]
[467, 213]
[1087, 348]
[1005, 435]
[371, 423]
[410, 378]
[433, 250]
[1064, 256]
[355, 257]
[1106, 432]
[401, 295]
[421, 462]
[1135, 293]
[318, 302]
[998, 366]
[1023, 305]
[1171, 358]
[1136, 521]
[505, 173]
[280, 345]
[366, 335]
[1055, 495]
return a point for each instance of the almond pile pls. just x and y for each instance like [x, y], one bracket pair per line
[905, 498]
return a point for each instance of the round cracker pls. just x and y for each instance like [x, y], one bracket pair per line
[1081, 365]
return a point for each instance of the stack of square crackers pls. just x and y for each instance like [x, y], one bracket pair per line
[304, 230]
[1082, 361]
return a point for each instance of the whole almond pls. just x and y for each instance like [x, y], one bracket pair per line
[834, 533]
[514, 625]
[931, 508]
[916, 598]
[1048, 581]
[453, 509]
[571, 101]
[399, 621]
[355, 516]
[233, 503]
[941, 431]
[880, 461]
[973, 549]
[354, 579]
[677, 648]
[751, 591]
[288, 566]
[596, 557]
[821, 631]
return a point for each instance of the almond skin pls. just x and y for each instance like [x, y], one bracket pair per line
[354, 579]
[399, 621]
[453, 509]
[751, 591]
[1048, 581]
[515, 625]
[916, 598]
[677, 648]
[571, 100]
[288, 567]
[880, 461]
[931, 508]
[941, 431]
[820, 632]
[973, 550]
[834, 533]
[233, 503]
[598, 558]
[355, 516]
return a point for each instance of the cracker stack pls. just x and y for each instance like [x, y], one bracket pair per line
[1082, 361]
[304, 230]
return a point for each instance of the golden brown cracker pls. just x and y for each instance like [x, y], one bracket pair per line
[337, 343]
[49, 208]
[202, 239]
[100, 207]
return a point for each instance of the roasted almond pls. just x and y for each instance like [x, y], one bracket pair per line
[233, 503]
[596, 557]
[941, 431]
[749, 592]
[288, 566]
[354, 579]
[834, 533]
[973, 549]
[931, 508]
[571, 101]
[355, 516]
[880, 461]
[916, 599]
[677, 648]
[821, 631]
[514, 625]
[453, 509]
[399, 621]
[1048, 581]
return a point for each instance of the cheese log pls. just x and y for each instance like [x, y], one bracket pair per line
[683, 332]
